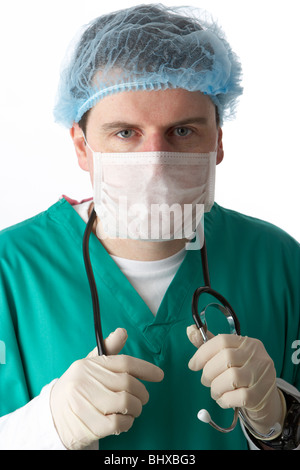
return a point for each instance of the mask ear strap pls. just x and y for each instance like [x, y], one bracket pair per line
[86, 142]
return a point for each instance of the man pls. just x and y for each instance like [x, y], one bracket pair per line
[145, 87]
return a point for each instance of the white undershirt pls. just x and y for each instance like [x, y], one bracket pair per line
[150, 279]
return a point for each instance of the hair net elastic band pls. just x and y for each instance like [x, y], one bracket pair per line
[122, 87]
[90, 102]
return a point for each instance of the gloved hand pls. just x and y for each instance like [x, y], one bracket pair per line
[240, 374]
[100, 395]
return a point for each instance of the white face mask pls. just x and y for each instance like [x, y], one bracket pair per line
[153, 195]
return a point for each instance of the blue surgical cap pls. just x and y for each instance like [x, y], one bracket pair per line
[148, 47]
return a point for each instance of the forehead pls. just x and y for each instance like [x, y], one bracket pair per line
[148, 107]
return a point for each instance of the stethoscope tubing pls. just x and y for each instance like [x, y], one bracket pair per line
[92, 284]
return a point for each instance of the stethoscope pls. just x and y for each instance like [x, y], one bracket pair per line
[199, 319]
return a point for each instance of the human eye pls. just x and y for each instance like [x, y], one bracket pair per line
[182, 131]
[126, 133]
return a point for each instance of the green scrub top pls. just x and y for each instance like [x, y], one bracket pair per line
[46, 318]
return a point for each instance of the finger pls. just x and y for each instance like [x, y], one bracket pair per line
[242, 359]
[113, 343]
[105, 425]
[100, 399]
[230, 380]
[121, 403]
[233, 399]
[195, 336]
[245, 393]
[212, 347]
[221, 362]
[115, 382]
[138, 368]
[125, 382]
[119, 423]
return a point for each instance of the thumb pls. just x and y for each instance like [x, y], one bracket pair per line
[113, 343]
[195, 336]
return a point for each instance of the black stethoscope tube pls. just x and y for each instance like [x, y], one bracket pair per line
[206, 289]
[92, 283]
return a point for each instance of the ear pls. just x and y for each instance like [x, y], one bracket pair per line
[80, 146]
[220, 151]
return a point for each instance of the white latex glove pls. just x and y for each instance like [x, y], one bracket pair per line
[101, 395]
[240, 374]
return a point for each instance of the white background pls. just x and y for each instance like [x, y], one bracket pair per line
[259, 175]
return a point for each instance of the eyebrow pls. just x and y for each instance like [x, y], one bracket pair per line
[192, 120]
[123, 124]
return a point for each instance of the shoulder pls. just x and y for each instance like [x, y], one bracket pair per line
[252, 244]
[30, 232]
[251, 230]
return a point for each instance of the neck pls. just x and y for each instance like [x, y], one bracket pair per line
[140, 250]
[137, 250]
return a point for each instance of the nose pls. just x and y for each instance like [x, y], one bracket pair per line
[156, 142]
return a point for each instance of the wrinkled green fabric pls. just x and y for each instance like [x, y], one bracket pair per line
[46, 319]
